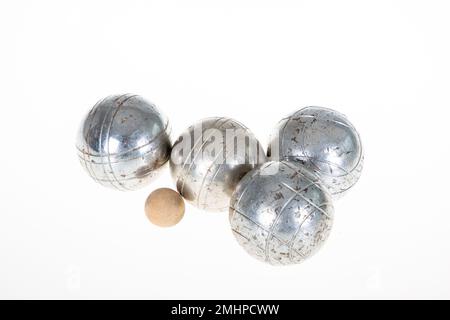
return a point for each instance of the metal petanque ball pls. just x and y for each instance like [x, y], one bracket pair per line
[210, 158]
[280, 213]
[122, 141]
[324, 141]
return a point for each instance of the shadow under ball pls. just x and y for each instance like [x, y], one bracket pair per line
[280, 213]
[324, 141]
[206, 167]
[122, 142]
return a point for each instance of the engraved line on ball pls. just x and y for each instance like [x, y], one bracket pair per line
[108, 134]
[123, 153]
[183, 166]
[87, 137]
[236, 205]
[297, 232]
[299, 172]
[278, 217]
[200, 150]
[289, 119]
[100, 145]
[273, 225]
[129, 150]
[264, 229]
[206, 175]
[306, 199]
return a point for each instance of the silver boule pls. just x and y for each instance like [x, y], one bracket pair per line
[280, 213]
[210, 158]
[122, 142]
[325, 142]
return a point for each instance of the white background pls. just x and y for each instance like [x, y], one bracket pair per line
[385, 64]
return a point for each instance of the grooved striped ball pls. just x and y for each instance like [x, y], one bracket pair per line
[324, 141]
[122, 142]
[280, 213]
[210, 158]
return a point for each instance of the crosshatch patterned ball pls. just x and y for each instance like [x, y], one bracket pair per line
[280, 213]
[207, 177]
[122, 142]
[324, 141]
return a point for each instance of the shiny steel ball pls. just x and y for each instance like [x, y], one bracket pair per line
[210, 158]
[280, 213]
[122, 142]
[325, 142]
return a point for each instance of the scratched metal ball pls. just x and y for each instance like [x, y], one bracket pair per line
[210, 158]
[280, 213]
[325, 142]
[122, 142]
